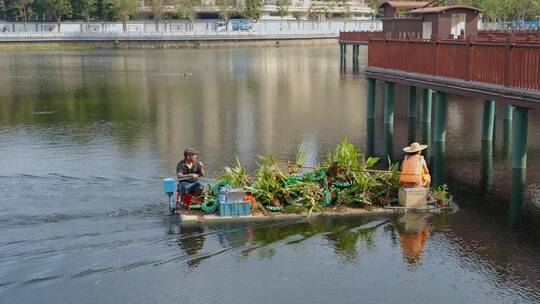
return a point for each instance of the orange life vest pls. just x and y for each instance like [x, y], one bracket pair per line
[411, 170]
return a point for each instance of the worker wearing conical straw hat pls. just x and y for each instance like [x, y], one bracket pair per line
[414, 170]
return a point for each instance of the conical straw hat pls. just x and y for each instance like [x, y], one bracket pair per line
[414, 147]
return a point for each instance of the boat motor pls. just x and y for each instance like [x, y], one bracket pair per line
[168, 188]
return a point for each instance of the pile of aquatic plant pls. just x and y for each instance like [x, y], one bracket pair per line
[346, 178]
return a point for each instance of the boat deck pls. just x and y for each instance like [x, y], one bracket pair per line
[213, 218]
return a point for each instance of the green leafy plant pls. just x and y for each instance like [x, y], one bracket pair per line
[237, 177]
[440, 192]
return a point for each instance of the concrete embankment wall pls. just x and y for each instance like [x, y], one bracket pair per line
[167, 44]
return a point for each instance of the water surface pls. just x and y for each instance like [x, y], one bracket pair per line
[86, 136]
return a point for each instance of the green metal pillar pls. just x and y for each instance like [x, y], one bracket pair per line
[389, 103]
[517, 196]
[507, 130]
[371, 82]
[486, 177]
[519, 136]
[426, 106]
[488, 121]
[370, 137]
[412, 102]
[389, 118]
[371, 85]
[441, 105]
[427, 141]
[439, 149]
[519, 162]
[389, 140]
[355, 58]
[412, 115]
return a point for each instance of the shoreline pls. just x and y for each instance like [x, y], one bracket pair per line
[181, 43]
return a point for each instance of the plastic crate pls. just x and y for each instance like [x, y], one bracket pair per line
[234, 208]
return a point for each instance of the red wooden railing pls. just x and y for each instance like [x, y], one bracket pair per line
[360, 36]
[514, 65]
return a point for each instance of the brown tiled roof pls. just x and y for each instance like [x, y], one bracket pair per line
[405, 4]
[440, 9]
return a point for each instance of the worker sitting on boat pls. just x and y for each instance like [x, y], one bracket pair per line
[414, 170]
[188, 172]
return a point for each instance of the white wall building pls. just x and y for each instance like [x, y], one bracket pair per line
[313, 9]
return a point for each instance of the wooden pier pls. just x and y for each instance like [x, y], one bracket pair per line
[493, 66]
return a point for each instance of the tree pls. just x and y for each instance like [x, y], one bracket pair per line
[58, 9]
[251, 9]
[158, 8]
[226, 9]
[186, 11]
[23, 10]
[282, 9]
[298, 16]
[3, 9]
[374, 6]
[122, 9]
[85, 8]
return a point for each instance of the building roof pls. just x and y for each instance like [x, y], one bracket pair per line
[440, 9]
[405, 4]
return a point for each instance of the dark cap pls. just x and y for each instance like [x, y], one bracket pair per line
[190, 151]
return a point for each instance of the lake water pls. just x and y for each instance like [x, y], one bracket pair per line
[86, 136]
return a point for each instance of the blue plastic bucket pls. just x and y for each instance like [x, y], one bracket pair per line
[168, 185]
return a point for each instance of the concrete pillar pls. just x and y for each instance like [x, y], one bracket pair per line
[389, 103]
[488, 121]
[426, 106]
[441, 105]
[519, 136]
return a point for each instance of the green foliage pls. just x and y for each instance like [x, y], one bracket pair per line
[122, 9]
[186, 11]
[85, 8]
[440, 192]
[297, 15]
[251, 9]
[283, 7]
[158, 9]
[346, 157]
[227, 8]
[267, 187]
[237, 177]
[23, 9]
[58, 9]
[346, 178]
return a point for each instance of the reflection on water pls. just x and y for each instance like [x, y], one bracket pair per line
[86, 137]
